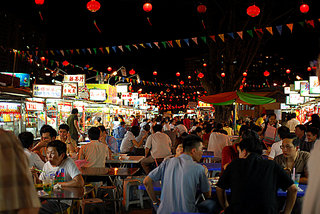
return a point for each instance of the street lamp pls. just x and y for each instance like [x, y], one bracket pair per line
[122, 68]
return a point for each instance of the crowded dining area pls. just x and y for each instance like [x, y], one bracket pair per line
[159, 107]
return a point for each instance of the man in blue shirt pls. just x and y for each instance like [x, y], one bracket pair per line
[181, 177]
[119, 132]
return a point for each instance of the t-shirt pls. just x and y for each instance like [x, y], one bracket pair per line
[127, 144]
[259, 121]
[160, 145]
[254, 183]
[95, 153]
[70, 171]
[180, 177]
[73, 130]
[291, 124]
[300, 163]
[217, 142]
[34, 159]
[229, 153]
[275, 149]
[72, 142]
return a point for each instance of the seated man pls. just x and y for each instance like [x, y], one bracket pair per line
[217, 142]
[65, 137]
[58, 163]
[181, 178]
[276, 150]
[312, 136]
[254, 182]
[293, 158]
[110, 141]
[26, 139]
[95, 152]
[48, 134]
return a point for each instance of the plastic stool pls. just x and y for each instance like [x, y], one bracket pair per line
[109, 193]
[93, 206]
[133, 184]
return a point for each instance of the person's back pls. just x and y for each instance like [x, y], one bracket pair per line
[160, 145]
[217, 142]
[71, 123]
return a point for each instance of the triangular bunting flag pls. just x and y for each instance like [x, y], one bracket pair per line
[37, 53]
[279, 28]
[62, 52]
[41, 52]
[164, 44]
[269, 29]
[51, 51]
[149, 44]
[156, 44]
[71, 51]
[221, 37]
[114, 48]
[204, 39]
[178, 42]
[67, 52]
[250, 33]
[290, 26]
[301, 23]
[120, 47]
[231, 35]
[107, 49]
[186, 41]
[47, 52]
[195, 39]
[101, 49]
[128, 47]
[136, 46]
[89, 50]
[171, 43]
[95, 50]
[142, 45]
[240, 33]
[310, 22]
[213, 37]
[78, 51]
[259, 32]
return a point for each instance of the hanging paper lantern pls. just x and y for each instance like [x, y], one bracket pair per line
[288, 71]
[266, 73]
[42, 58]
[109, 68]
[223, 74]
[39, 2]
[155, 73]
[204, 64]
[253, 11]
[181, 82]
[189, 77]
[178, 74]
[65, 63]
[309, 69]
[93, 6]
[200, 75]
[174, 86]
[87, 66]
[132, 72]
[304, 8]
[147, 7]
[201, 8]
[244, 74]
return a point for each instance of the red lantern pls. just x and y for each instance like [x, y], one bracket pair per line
[304, 8]
[93, 6]
[189, 77]
[178, 74]
[65, 63]
[244, 74]
[288, 71]
[201, 8]
[39, 2]
[266, 73]
[87, 66]
[223, 74]
[174, 86]
[147, 7]
[155, 73]
[204, 64]
[253, 11]
[200, 75]
[309, 68]
[181, 82]
[109, 68]
[132, 72]
[42, 58]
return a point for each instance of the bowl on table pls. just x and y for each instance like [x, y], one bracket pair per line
[115, 156]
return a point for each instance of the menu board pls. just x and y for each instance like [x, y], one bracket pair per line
[314, 85]
[98, 94]
[47, 91]
[297, 84]
[294, 99]
[78, 78]
[70, 89]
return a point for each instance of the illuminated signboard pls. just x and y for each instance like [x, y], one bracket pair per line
[297, 84]
[204, 105]
[98, 94]
[122, 88]
[78, 78]
[70, 89]
[294, 99]
[24, 78]
[47, 91]
[30, 106]
[314, 85]
[129, 96]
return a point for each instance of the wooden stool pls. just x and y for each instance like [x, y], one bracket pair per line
[93, 206]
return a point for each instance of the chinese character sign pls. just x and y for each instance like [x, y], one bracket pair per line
[79, 78]
[98, 94]
[70, 89]
[47, 91]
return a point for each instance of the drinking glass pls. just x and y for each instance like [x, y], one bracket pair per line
[47, 185]
[296, 179]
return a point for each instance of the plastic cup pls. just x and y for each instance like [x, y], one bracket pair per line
[47, 186]
[296, 179]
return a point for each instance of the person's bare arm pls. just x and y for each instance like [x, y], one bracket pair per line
[75, 182]
[31, 210]
[77, 126]
[138, 144]
[222, 197]
[147, 182]
[146, 152]
[207, 194]
[291, 199]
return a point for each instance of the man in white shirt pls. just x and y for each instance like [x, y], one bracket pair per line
[159, 146]
[283, 132]
[217, 141]
[95, 152]
[291, 124]
[181, 128]
[26, 139]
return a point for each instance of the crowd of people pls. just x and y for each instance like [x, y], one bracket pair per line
[253, 165]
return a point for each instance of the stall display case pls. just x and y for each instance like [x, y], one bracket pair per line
[10, 117]
[34, 117]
